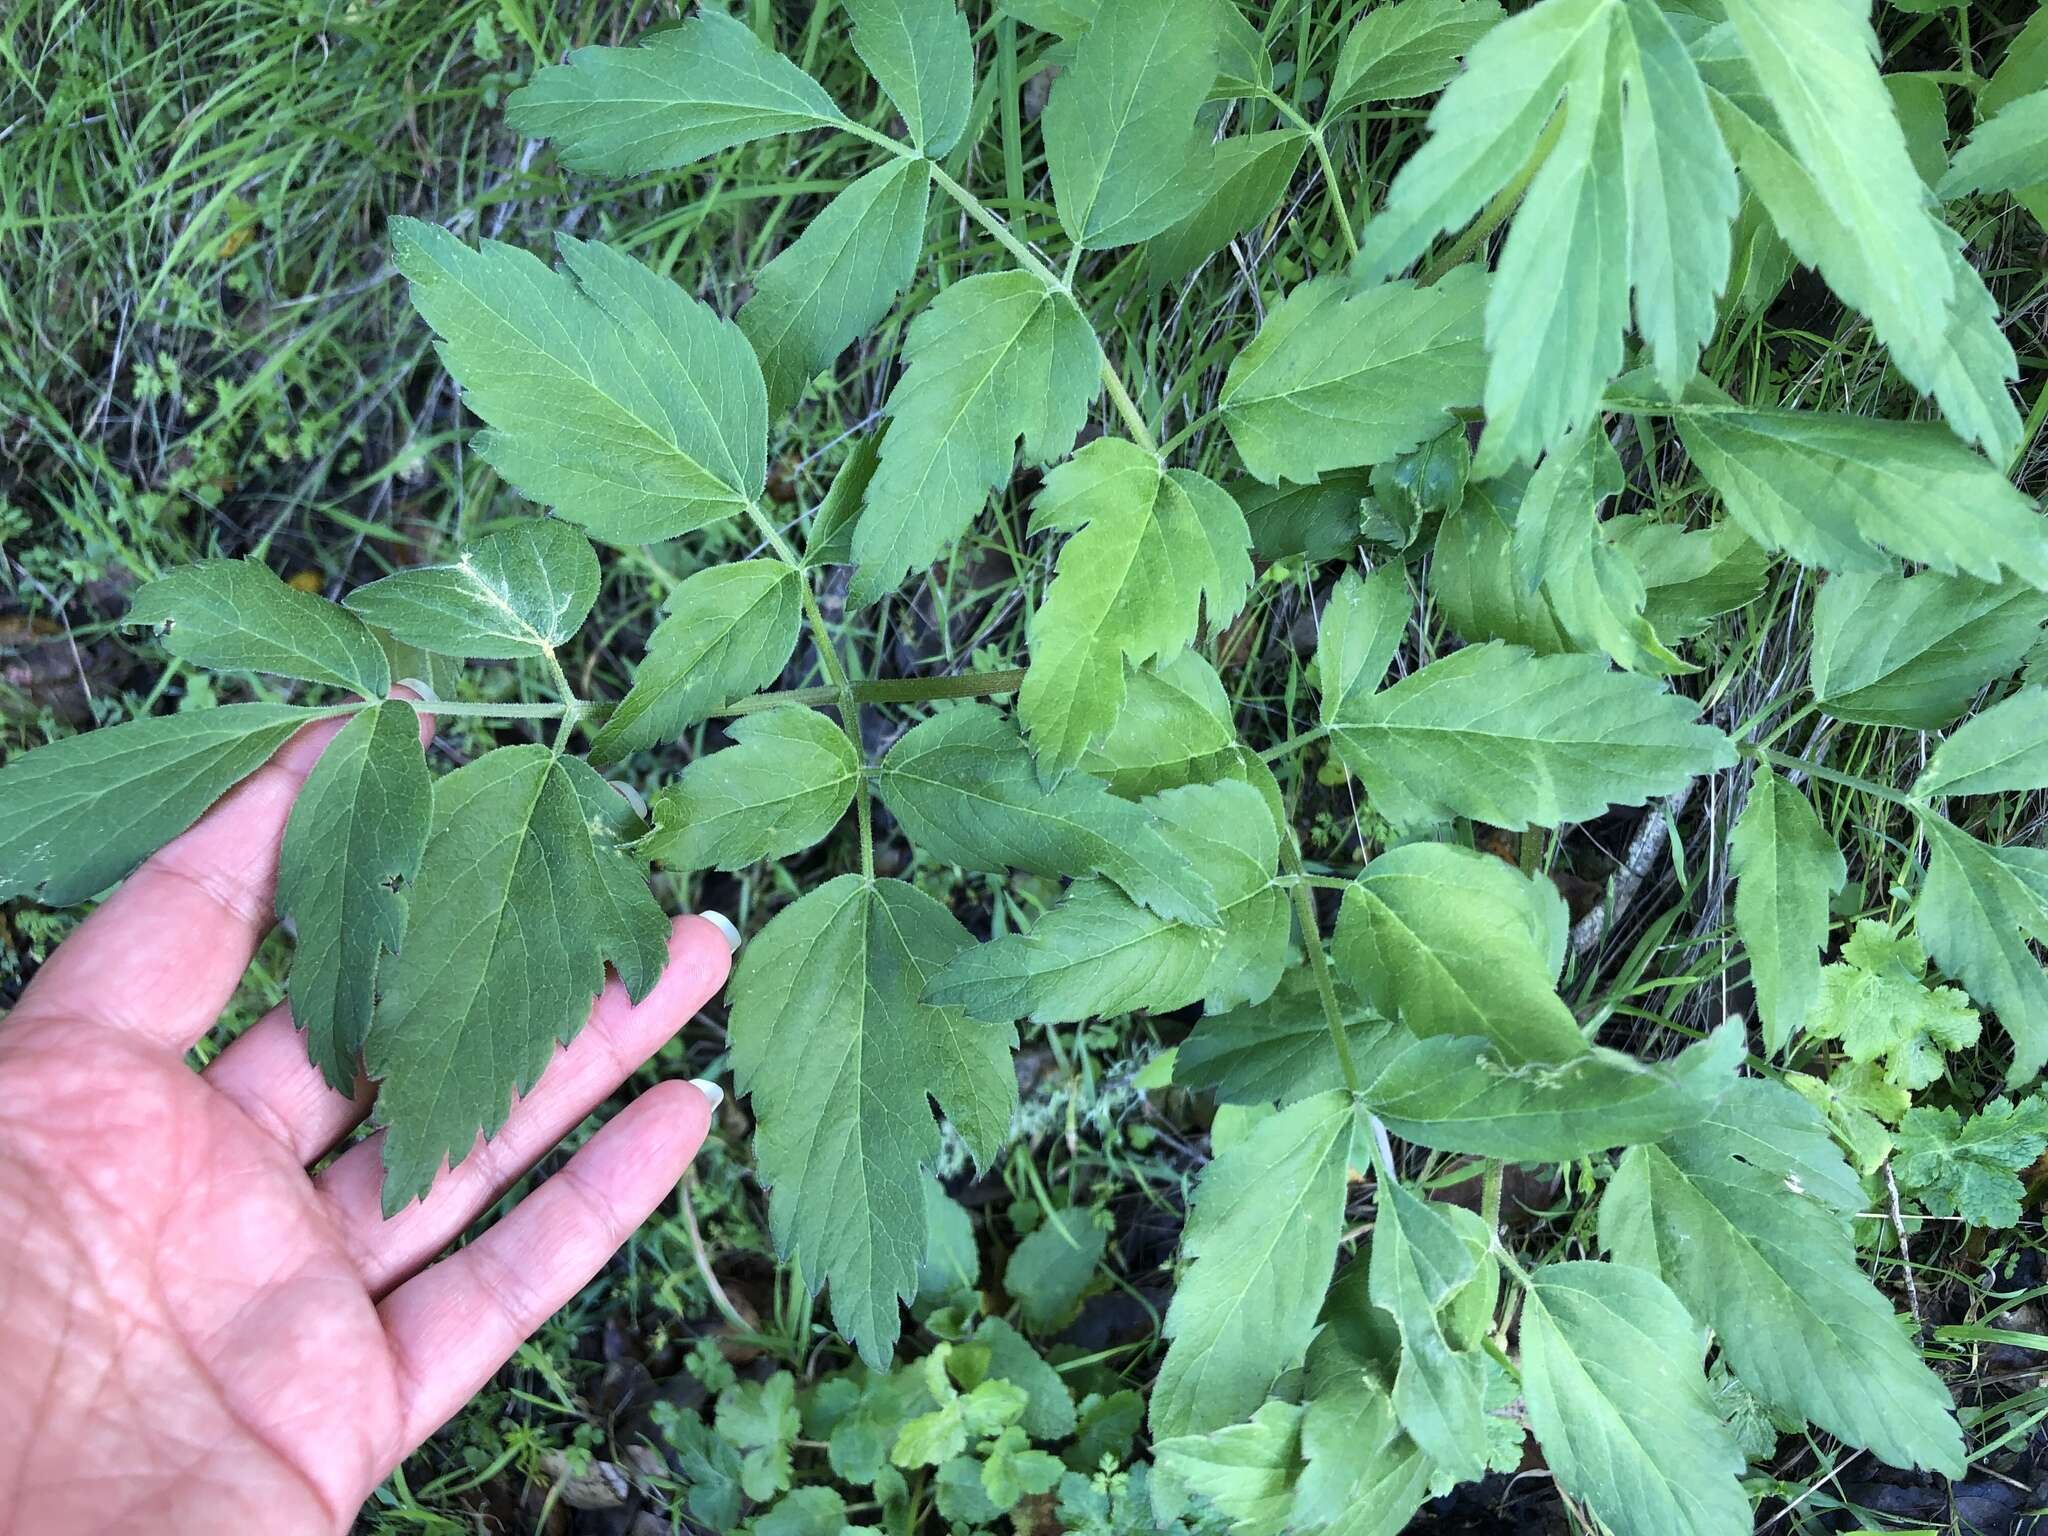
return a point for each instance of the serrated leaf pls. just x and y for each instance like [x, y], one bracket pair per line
[1786, 868]
[729, 630]
[676, 98]
[1611, 1373]
[996, 358]
[1690, 577]
[512, 919]
[1175, 728]
[964, 788]
[1341, 375]
[1249, 177]
[351, 851]
[1357, 635]
[517, 592]
[84, 811]
[830, 539]
[1150, 549]
[837, 279]
[831, 1038]
[1430, 1272]
[1100, 953]
[1978, 908]
[920, 55]
[1914, 650]
[1408, 49]
[1971, 1168]
[1262, 1233]
[760, 1421]
[1747, 1218]
[783, 784]
[1999, 750]
[1498, 735]
[1447, 941]
[1245, 1470]
[1318, 522]
[235, 615]
[1278, 1050]
[1456, 1095]
[611, 394]
[1472, 572]
[1126, 156]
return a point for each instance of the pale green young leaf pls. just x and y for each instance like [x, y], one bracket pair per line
[1341, 375]
[1126, 155]
[1978, 908]
[729, 630]
[1447, 941]
[351, 851]
[1851, 493]
[1786, 868]
[1456, 1095]
[1100, 953]
[236, 616]
[84, 811]
[963, 787]
[1049, 1403]
[1971, 1168]
[1746, 1217]
[1262, 1233]
[1408, 49]
[1498, 735]
[1611, 1374]
[610, 394]
[1278, 1050]
[920, 55]
[2001, 750]
[1431, 1274]
[837, 279]
[1175, 728]
[782, 785]
[1245, 1470]
[516, 592]
[674, 99]
[759, 1419]
[995, 358]
[1249, 177]
[831, 1037]
[1150, 551]
[1914, 650]
[1359, 631]
[1053, 1265]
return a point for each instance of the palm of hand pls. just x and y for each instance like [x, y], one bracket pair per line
[195, 1334]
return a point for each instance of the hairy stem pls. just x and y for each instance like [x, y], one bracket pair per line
[1318, 963]
[1496, 212]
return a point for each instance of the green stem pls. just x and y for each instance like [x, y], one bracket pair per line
[1489, 1195]
[1496, 212]
[572, 706]
[1331, 191]
[1814, 770]
[1294, 744]
[1318, 963]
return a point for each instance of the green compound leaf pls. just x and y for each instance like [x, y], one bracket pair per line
[920, 55]
[1611, 1374]
[1849, 493]
[1447, 941]
[963, 786]
[783, 784]
[1262, 1234]
[635, 930]
[352, 848]
[1979, 906]
[1126, 155]
[1456, 1095]
[831, 1038]
[837, 279]
[611, 394]
[1876, 1002]
[2002, 750]
[1786, 867]
[1246, 1470]
[1278, 1050]
[1408, 49]
[84, 811]
[1250, 176]
[1150, 549]
[1971, 1168]
[1634, 196]
[1175, 728]
[2005, 154]
[1747, 1218]
[1341, 375]
[1099, 953]
[518, 592]
[236, 616]
[1498, 735]
[995, 358]
[728, 630]
[512, 920]
[1692, 577]
[680, 96]
[1914, 650]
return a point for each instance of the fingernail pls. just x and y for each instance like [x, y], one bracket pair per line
[710, 1090]
[724, 925]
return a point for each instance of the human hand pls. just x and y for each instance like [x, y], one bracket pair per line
[194, 1334]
